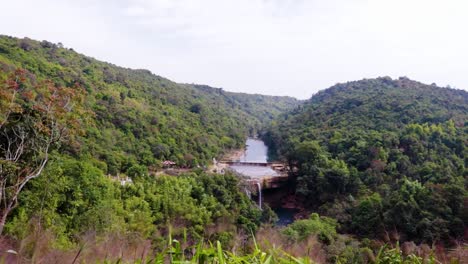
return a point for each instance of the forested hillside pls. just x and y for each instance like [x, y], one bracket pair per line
[82, 143]
[260, 108]
[141, 118]
[383, 157]
[70, 124]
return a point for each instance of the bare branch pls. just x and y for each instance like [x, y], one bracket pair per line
[25, 143]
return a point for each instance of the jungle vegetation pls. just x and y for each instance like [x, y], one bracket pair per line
[383, 157]
[73, 127]
[371, 158]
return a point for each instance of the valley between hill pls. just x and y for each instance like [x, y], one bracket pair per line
[377, 167]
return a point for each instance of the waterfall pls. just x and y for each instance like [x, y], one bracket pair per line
[259, 195]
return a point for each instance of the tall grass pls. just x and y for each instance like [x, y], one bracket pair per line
[215, 254]
[123, 249]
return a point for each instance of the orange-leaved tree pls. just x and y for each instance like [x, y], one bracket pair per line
[35, 118]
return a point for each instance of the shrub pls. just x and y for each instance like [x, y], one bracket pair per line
[323, 227]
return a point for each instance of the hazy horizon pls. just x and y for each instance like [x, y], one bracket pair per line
[290, 47]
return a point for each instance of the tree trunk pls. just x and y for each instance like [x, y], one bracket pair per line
[3, 218]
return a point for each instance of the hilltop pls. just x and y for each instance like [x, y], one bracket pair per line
[381, 156]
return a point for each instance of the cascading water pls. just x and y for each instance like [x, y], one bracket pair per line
[254, 166]
[259, 195]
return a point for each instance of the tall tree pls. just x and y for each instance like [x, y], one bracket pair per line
[35, 118]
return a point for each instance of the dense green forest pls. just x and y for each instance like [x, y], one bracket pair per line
[385, 158]
[141, 118]
[78, 123]
[374, 163]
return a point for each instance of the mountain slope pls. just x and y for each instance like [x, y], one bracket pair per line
[142, 118]
[380, 155]
[135, 120]
[261, 109]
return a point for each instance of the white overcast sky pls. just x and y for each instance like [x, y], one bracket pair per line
[276, 47]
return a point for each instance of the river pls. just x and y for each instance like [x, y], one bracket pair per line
[257, 151]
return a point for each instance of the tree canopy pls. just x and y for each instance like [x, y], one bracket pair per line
[386, 152]
[95, 123]
[141, 118]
